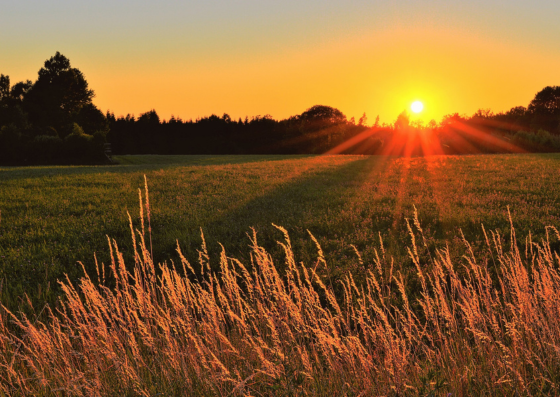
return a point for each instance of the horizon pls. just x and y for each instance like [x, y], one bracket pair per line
[252, 58]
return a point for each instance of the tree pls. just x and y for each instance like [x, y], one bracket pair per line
[452, 119]
[4, 87]
[546, 101]
[151, 117]
[545, 109]
[363, 121]
[320, 117]
[483, 114]
[10, 107]
[58, 94]
[403, 121]
[91, 119]
[517, 111]
[323, 114]
[20, 90]
[35, 116]
[54, 66]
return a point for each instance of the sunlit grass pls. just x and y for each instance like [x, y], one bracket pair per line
[52, 217]
[482, 325]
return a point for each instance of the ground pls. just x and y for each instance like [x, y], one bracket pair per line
[53, 217]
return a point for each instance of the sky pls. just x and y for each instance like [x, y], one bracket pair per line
[256, 57]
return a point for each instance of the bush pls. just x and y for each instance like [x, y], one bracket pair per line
[45, 149]
[541, 141]
[51, 131]
[11, 144]
[78, 145]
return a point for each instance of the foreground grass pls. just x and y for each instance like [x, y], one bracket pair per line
[52, 217]
[484, 325]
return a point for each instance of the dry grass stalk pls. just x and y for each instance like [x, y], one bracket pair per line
[248, 330]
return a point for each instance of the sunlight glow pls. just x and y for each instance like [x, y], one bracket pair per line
[417, 106]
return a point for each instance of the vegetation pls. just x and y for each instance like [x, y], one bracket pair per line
[323, 129]
[483, 325]
[52, 217]
[53, 121]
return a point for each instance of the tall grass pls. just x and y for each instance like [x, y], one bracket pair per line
[486, 326]
[53, 217]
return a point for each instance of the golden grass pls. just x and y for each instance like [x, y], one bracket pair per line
[487, 326]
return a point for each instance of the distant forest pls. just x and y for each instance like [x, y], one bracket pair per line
[53, 121]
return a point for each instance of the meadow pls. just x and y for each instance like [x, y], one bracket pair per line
[379, 278]
[53, 217]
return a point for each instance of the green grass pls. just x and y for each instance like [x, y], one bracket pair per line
[52, 217]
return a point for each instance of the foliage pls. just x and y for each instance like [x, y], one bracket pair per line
[58, 95]
[4, 87]
[316, 130]
[11, 143]
[59, 100]
[61, 97]
[323, 129]
[545, 109]
[541, 141]
[46, 149]
[403, 121]
[320, 116]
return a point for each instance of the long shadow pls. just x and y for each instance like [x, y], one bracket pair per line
[312, 202]
[8, 173]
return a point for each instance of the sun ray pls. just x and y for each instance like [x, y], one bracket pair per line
[352, 141]
[482, 137]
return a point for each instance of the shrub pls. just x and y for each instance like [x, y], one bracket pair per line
[541, 141]
[45, 149]
[78, 144]
[11, 144]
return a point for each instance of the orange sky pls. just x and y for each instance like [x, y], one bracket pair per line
[193, 60]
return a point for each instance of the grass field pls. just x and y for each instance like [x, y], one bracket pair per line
[395, 303]
[52, 217]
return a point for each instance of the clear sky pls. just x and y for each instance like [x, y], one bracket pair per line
[257, 57]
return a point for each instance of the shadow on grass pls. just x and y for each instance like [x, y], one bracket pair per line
[138, 163]
[312, 202]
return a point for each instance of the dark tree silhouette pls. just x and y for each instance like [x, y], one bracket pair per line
[545, 108]
[92, 120]
[518, 111]
[20, 90]
[58, 95]
[546, 101]
[4, 87]
[149, 118]
[52, 120]
[321, 115]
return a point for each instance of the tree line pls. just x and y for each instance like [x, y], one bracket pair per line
[314, 131]
[53, 120]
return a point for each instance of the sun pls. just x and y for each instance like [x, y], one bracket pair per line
[417, 106]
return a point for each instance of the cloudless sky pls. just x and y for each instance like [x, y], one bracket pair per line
[257, 57]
